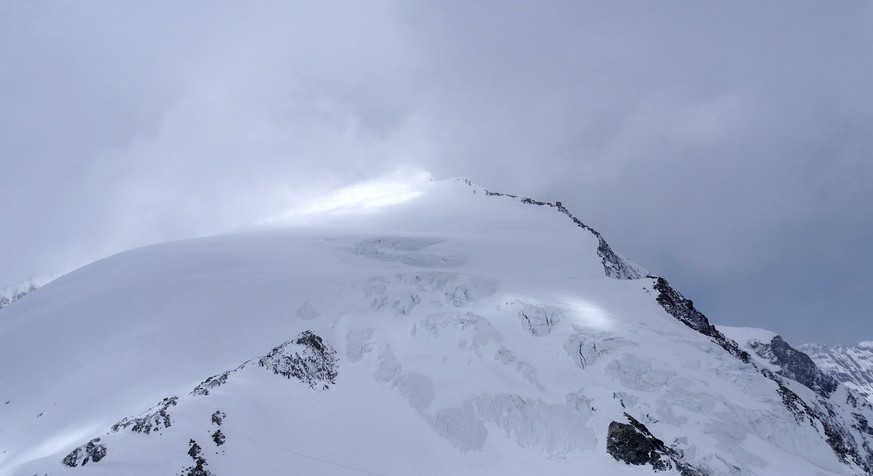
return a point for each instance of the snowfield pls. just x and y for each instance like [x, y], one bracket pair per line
[852, 366]
[457, 332]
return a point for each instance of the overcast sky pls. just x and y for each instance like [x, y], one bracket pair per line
[727, 147]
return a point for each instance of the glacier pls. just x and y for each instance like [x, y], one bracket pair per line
[458, 331]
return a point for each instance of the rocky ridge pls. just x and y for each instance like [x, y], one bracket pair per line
[835, 417]
[307, 359]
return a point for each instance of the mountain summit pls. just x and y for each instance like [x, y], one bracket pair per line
[457, 331]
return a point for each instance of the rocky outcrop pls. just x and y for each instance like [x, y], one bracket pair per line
[853, 449]
[626, 443]
[92, 451]
[836, 434]
[309, 360]
[796, 365]
[199, 466]
[683, 309]
[218, 436]
[634, 444]
[154, 420]
[792, 364]
[203, 388]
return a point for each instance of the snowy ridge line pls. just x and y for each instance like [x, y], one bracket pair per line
[676, 305]
[617, 267]
[835, 407]
[313, 458]
[317, 365]
[614, 265]
[683, 309]
[819, 412]
[796, 365]
[476, 336]
[307, 359]
[842, 443]
[154, 419]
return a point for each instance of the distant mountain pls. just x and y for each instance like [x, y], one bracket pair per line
[851, 366]
[461, 332]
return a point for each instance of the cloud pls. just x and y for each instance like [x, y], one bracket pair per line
[725, 146]
[131, 124]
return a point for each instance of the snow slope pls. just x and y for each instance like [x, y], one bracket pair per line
[458, 332]
[851, 365]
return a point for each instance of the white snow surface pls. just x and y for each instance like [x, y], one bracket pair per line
[851, 365]
[474, 334]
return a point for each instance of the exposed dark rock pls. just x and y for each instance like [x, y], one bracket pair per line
[315, 364]
[862, 424]
[683, 309]
[838, 438]
[625, 443]
[796, 368]
[198, 469]
[218, 417]
[801, 411]
[74, 458]
[195, 450]
[157, 419]
[218, 437]
[796, 365]
[792, 362]
[634, 444]
[92, 451]
[614, 266]
[215, 381]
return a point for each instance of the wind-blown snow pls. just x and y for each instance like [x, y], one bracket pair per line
[473, 334]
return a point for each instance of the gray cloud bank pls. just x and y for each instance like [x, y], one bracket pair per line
[726, 146]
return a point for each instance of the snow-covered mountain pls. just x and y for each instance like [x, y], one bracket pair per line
[458, 332]
[850, 365]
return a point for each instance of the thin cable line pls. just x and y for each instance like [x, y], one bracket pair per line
[306, 456]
